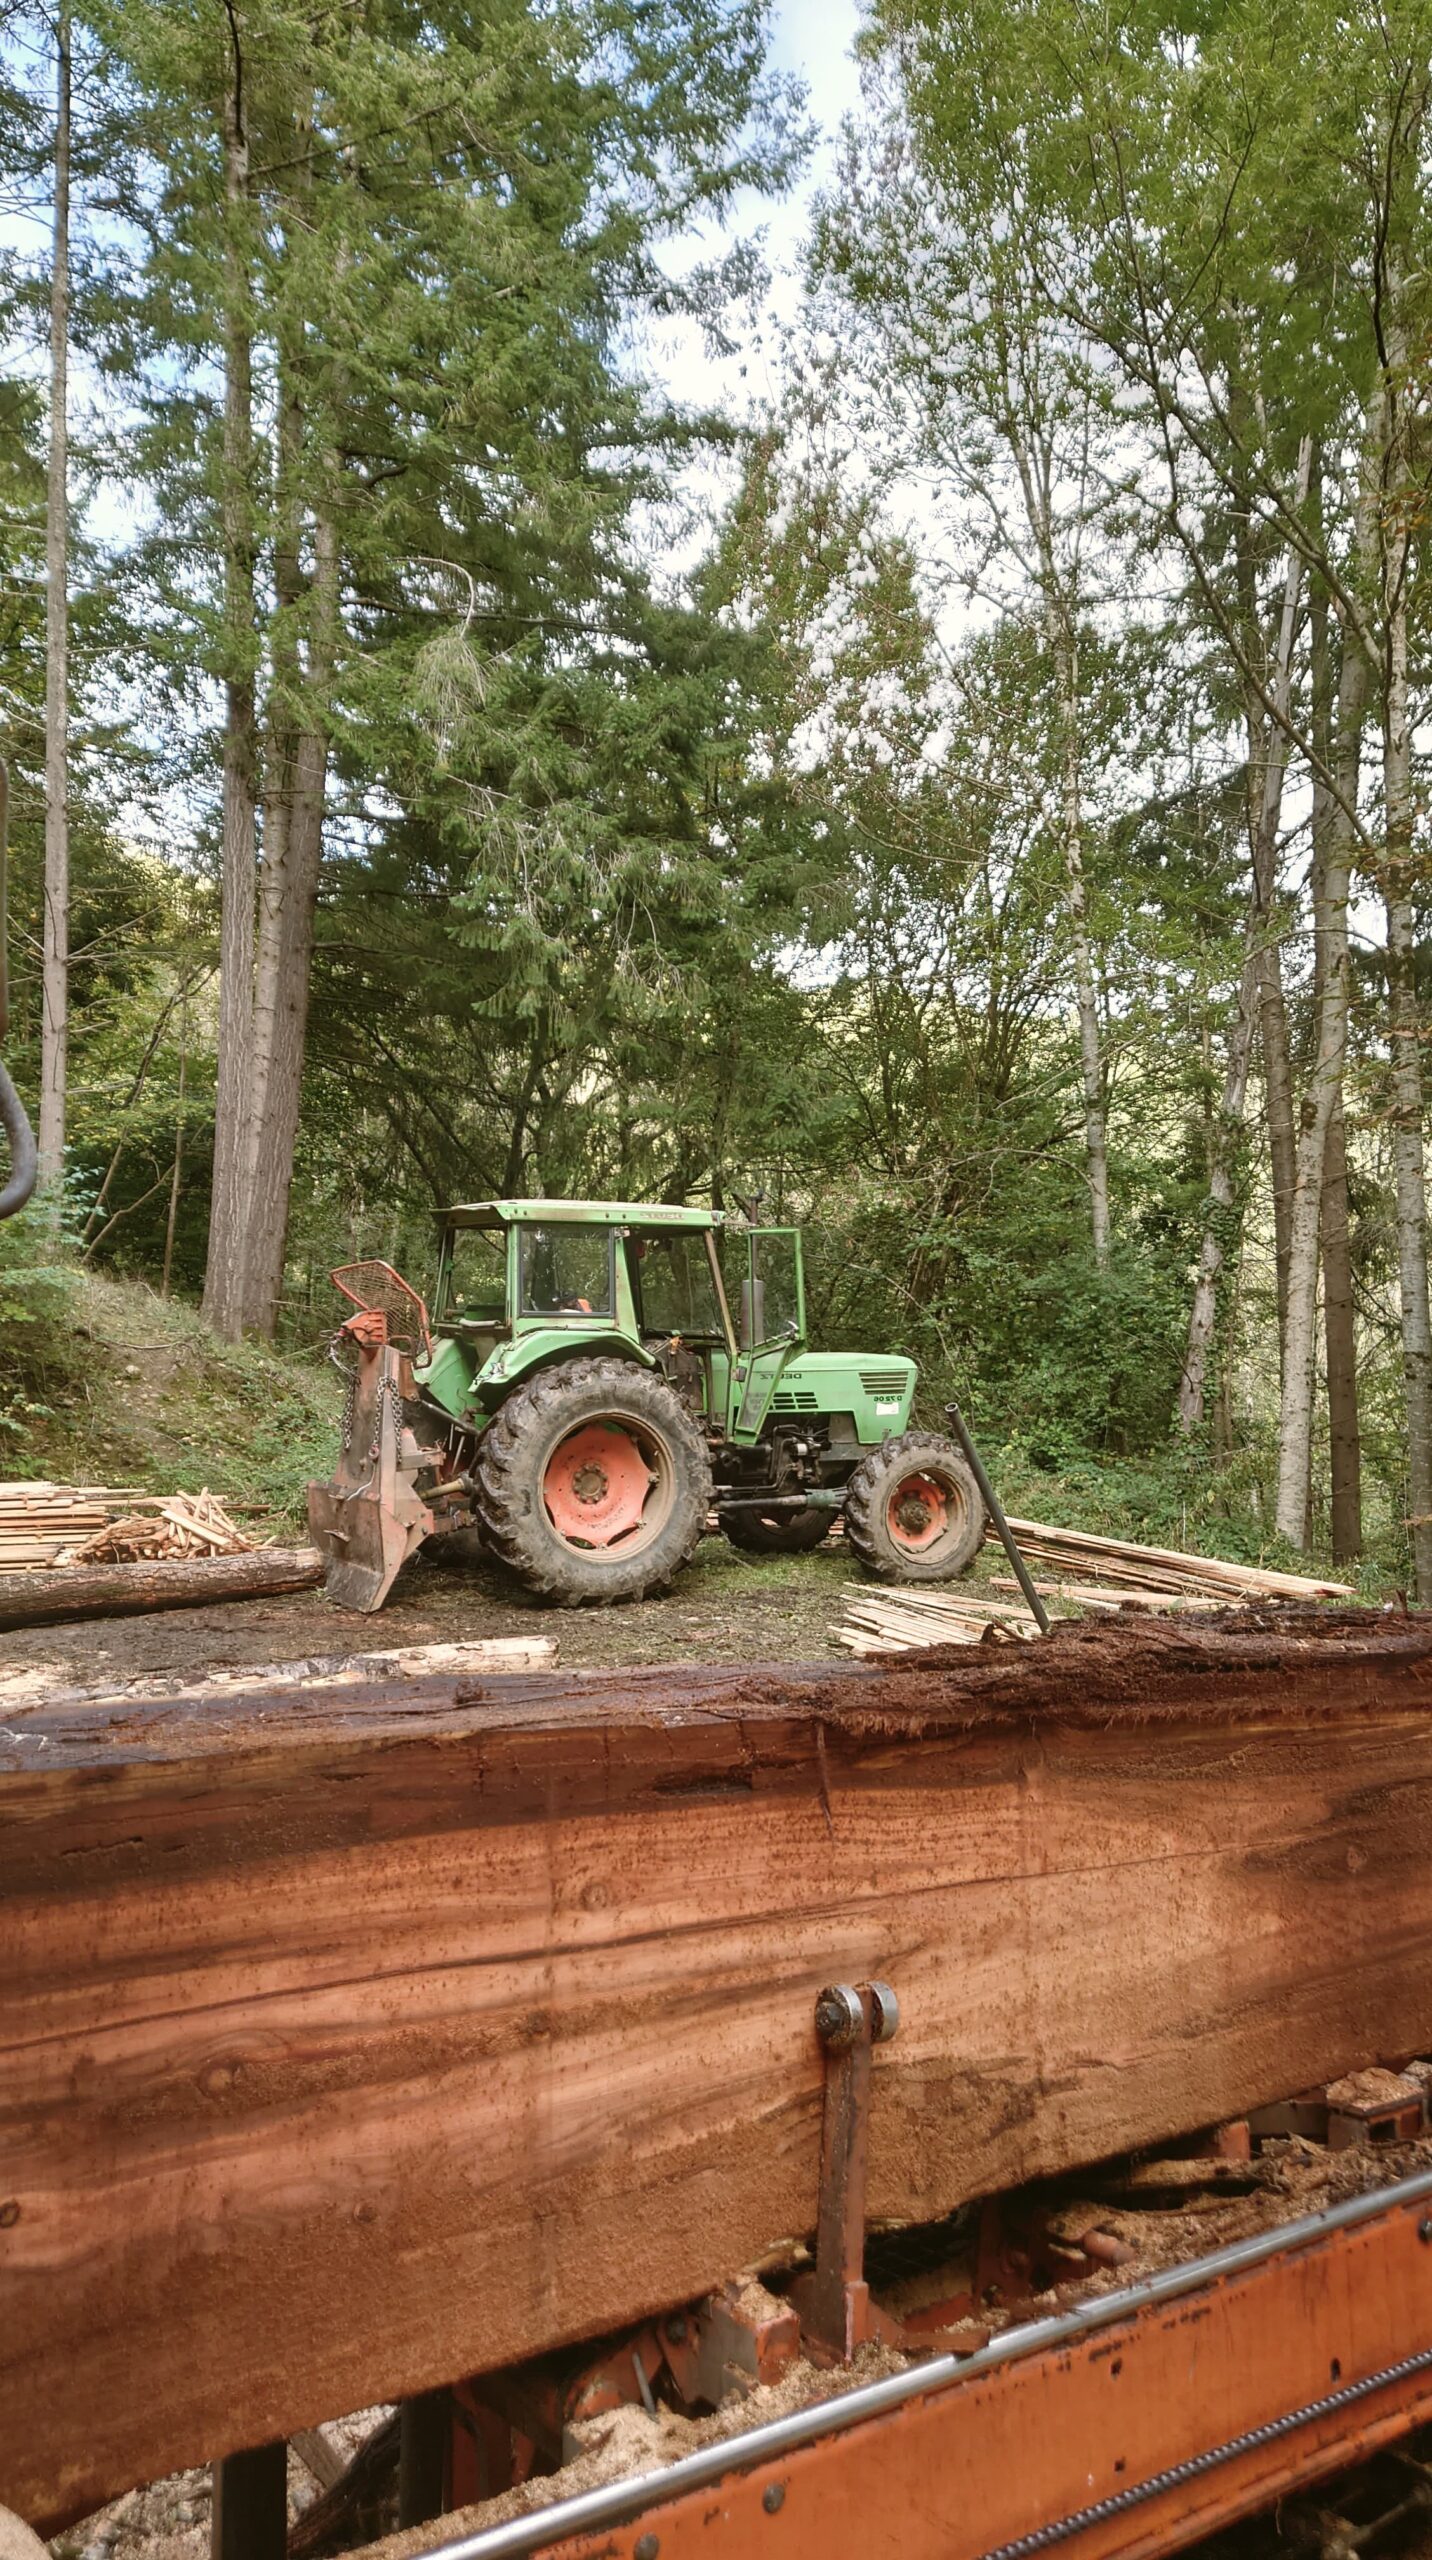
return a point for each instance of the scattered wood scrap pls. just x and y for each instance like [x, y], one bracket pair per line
[882, 1619]
[1101, 1575]
[1079, 1554]
[176, 1524]
[27, 1685]
[1103, 1596]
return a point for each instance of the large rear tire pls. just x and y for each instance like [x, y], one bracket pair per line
[593, 1483]
[776, 1533]
[913, 1512]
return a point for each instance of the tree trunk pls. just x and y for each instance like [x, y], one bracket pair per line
[1402, 1016]
[56, 1592]
[173, 1217]
[1228, 1131]
[1270, 736]
[1058, 581]
[286, 958]
[228, 1222]
[1096, 1142]
[55, 960]
[1324, 1089]
[1340, 1337]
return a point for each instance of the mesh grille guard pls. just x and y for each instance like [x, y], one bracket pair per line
[377, 1287]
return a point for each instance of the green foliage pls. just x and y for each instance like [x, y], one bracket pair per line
[112, 1384]
[752, 875]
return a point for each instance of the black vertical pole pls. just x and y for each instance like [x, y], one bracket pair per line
[996, 1512]
[251, 2504]
[424, 2426]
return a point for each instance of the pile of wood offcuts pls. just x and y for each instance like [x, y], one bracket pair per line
[179, 1524]
[60, 1524]
[1081, 1573]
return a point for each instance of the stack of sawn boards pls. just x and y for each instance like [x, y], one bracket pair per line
[40, 1522]
[1092, 1574]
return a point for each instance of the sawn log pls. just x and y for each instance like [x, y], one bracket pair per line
[347, 2047]
[118, 1590]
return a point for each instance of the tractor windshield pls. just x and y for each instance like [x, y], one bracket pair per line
[477, 1272]
[566, 1271]
[675, 1289]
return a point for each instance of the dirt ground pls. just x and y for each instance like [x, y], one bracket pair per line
[725, 1607]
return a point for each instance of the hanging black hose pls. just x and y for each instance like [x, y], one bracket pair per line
[20, 1137]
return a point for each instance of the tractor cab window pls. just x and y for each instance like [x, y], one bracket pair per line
[477, 1274]
[566, 1271]
[675, 1290]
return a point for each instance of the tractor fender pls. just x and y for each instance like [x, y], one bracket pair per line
[520, 1360]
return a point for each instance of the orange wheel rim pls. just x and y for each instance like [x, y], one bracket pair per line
[917, 1513]
[596, 1485]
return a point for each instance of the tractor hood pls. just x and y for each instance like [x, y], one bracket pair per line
[877, 1391]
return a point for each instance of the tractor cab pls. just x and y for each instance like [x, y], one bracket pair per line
[523, 1283]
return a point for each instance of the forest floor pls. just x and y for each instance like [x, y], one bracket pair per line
[108, 1383]
[725, 1607]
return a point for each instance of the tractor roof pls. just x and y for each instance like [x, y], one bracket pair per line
[576, 1213]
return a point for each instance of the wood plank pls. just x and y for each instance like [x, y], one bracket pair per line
[347, 2047]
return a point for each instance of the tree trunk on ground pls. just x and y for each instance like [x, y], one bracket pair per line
[1340, 1336]
[228, 1221]
[1403, 1026]
[1324, 1089]
[55, 961]
[1228, 1131]
[56, 1592]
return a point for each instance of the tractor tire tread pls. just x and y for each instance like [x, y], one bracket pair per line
[509, 1498]
[799, 1534]
[868, 1490]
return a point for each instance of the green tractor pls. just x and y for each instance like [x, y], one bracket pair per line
[582, 1398]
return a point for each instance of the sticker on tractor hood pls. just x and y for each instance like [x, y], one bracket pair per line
[887, 1404]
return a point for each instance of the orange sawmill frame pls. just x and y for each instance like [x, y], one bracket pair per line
[1133, 2425]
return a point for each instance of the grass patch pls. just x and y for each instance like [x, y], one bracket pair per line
[116, 1385]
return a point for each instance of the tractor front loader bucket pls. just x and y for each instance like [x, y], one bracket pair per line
[369, 1518]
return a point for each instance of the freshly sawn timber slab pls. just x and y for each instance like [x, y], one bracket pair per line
[351, 2044]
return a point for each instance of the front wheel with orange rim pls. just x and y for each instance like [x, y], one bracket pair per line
[593, 1483]
[913, 1511]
